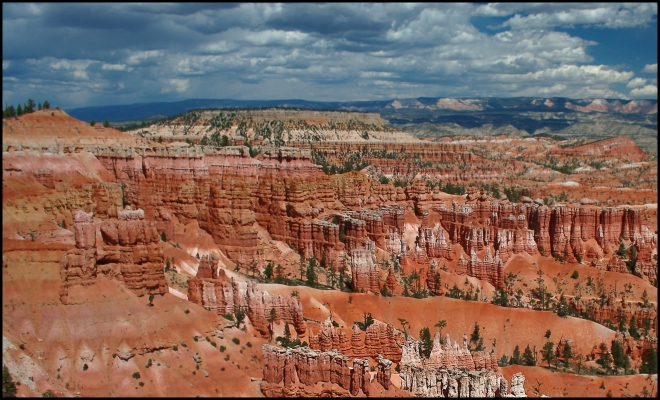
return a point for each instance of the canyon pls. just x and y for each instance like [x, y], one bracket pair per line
[322, 242]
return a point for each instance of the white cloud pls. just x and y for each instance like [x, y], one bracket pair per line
[651, 68]
[313, 51]
[548, 15]
[115, 67]
[179, 85]
[637, 82]
[648, 91]
[141, 56]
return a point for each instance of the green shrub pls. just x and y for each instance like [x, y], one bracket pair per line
[575, 275]
[236, 341]
[248, 344]
[85, 367]
[136, 375]
[222, 349]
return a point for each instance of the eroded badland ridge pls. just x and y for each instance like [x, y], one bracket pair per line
[324, 253]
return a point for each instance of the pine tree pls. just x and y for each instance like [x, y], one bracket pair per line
[633, 328]
[568, 354]
[475, 336]
[619, 356]
[528, 357]
[46, 105]
[8, 385]
[268, 271]
[29, 106]
[653, 361]
[548, 352]
[311, 272]
[19, 110]
[606, 357]
[287, 332]
[106, 124]
[425, 342]
[515, 358]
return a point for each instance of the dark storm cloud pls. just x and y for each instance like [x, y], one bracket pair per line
[88, 54]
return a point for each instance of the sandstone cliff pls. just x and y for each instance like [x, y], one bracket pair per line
[130, 251]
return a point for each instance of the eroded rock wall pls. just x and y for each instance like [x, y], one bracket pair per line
[222, 296]
[130, 251]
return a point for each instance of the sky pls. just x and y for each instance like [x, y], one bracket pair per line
[91, 54]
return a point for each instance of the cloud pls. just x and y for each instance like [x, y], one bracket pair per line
[547, 15]
[335, 51]
[116, 67]
[648, 91]
[178, 85]
[637, 82]
[651, 68]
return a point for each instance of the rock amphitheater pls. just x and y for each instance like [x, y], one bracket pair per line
[317, 254]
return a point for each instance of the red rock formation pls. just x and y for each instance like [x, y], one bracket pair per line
[435, 246]
[222, 297]
[208, 267]
[309, 367]
[131, 252]
[489, 269]
[379, 338]
[384, 372]
[431, 382]
[390, 282]
[78, 266]
[613, 310]
[614, 147]
[364, 269]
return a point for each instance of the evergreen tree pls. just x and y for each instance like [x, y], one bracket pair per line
[475, 336]
[106, 124]
[368, 320]
[426, 343]
[39, 108]
[548, 352]
[622, 324]
[621, 252]
[528, 357]
[606, 357]
[268, 271]
[621, 360]
[29, 106]
[653, 361]
[271, 320]
[633, 328]
[311, 272]
[8, 385]
[515, 358]
[287, 332]
[46, 105]
[240, 315]
[568, 354]
[92, 123]
[649, 362]
[440, 325]
[19, 110]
